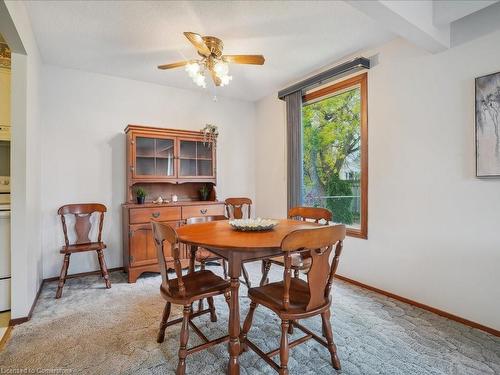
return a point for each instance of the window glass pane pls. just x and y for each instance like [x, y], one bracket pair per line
[188, 149]
[204, 150]
[331, 155]
[188, 167]
[145, 147]
[145, 166]
[165, 157]
[205, 167]
[164, 148]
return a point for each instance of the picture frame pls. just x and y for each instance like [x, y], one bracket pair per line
[487, 125]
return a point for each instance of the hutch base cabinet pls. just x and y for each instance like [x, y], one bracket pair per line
[164, 162]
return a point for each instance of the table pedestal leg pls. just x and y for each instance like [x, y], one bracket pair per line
[234, 318]
[192, 257]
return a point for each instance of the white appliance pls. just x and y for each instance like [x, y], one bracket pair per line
[4, 243]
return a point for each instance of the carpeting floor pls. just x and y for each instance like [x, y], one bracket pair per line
[91, 330]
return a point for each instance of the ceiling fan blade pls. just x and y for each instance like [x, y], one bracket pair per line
[216, 79]
[198, 42]
[174, 65]
[244, 59]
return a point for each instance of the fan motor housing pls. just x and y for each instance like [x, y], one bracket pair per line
[214, 44]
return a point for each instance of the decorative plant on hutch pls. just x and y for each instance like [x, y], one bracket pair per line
[204, 192]
[140, 193]
[210, 134]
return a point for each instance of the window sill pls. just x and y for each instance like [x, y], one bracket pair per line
[357, 233]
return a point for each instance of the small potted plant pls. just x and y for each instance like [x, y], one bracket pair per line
[140, 194]
[210, 134]
[204, 193]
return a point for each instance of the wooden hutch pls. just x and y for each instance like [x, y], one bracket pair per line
[164, 162]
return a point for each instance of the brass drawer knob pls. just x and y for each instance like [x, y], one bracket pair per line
[203, 211]
[155, 214]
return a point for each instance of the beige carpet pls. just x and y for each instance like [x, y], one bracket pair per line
[92, 330]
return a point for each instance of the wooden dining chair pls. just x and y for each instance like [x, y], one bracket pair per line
[299, 263]
[185, 290]
[203, 255]
[82, 226]
[240, 208]
[293, 298]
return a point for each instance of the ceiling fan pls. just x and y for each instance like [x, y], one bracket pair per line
[212, 60]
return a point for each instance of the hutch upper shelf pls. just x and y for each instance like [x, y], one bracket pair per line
[169, 155]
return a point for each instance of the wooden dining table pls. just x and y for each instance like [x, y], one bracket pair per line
[236, 247]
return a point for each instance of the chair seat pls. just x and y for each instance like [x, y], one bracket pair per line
[204, 254]
[271, 296]
[297, 261]
[77, 248]
[197, 284]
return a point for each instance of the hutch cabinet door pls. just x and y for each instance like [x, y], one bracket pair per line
[142, 247]
[153, 157]
[196, 159]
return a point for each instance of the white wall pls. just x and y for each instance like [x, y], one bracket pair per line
[433, 227]
[83, 156]
[26, 260]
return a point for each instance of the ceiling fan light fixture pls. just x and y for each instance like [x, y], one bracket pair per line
[221, 69]
[225, 79]
[212, 60]
[199, 79]
[193, 69]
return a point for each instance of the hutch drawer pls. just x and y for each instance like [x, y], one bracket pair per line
[202, 210]
[144, 215]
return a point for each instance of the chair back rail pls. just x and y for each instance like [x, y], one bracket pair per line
[238, 208]
[82, 213]
[164, 235]
[310, 213]
[317, 243]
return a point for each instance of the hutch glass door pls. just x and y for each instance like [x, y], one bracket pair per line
[196, 159]
[154, 157]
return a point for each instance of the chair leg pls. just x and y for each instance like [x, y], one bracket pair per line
[62, 277]
[245, 276]
[332, 348]
[181, 367]
[224, 268]
[284, 348]
[104, 269]
[296, 273]
[266, 266]
[163, 324]
[202, 268]
[290, 327]
[213, 315]
[246, 327]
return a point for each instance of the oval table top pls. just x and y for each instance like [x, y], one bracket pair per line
[220, 235]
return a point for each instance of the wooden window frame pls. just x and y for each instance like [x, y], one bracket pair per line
[360, 80]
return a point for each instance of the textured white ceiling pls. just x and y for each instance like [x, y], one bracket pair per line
[129, 39]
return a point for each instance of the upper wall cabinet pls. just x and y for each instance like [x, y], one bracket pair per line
[4, 97]
[168, 155]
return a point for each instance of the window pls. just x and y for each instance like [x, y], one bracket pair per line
[335, 153]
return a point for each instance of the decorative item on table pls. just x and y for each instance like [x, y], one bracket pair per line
[140, 194]
[204, 193]
[210, 134]
[174, 198]
[488, 125]
[253, 225]
[159, 200]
